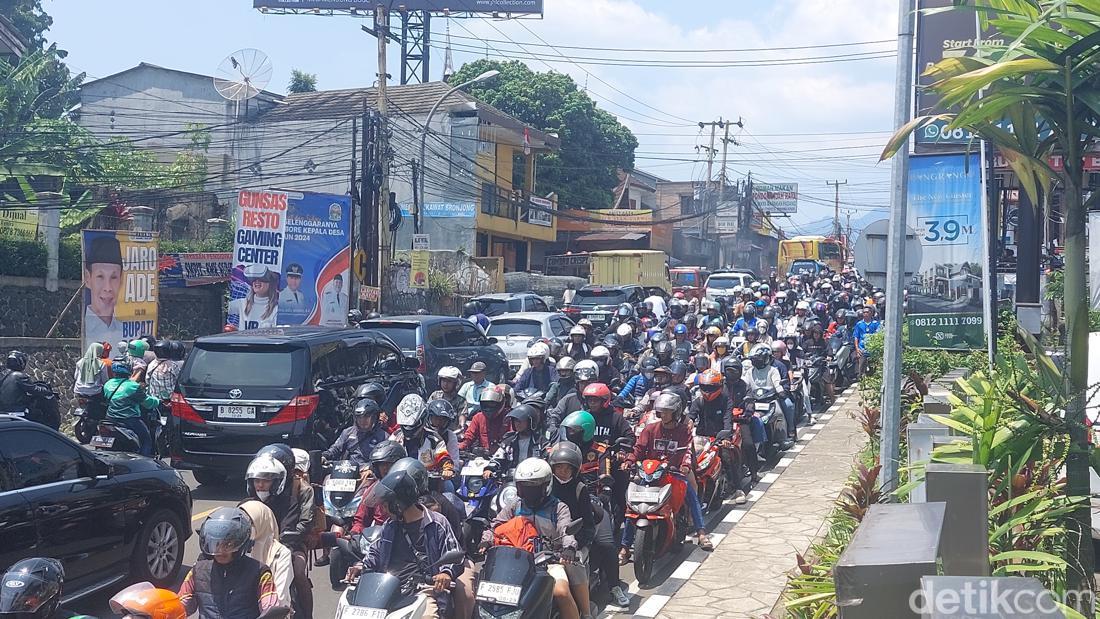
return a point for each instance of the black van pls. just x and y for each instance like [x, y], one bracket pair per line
[240, 391]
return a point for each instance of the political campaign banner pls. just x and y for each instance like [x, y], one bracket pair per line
[316, 260]
[194, 269]
[120, 285]
[257, 259]
[945, 293]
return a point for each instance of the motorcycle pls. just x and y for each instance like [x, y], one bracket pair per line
[817, 374]
[655, 503]
[843, 364]
[710, 475]
[111, 436]
[341, 500]
[479, 496]
[89, 411]
[765, 405]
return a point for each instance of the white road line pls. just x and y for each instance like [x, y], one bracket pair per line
[769, 478]
[686, 569]
[796, 448]
[734, 515]
[633, 588]
[807, 436]
[716, 538]
[818, 426]
[652, 606]
[754, 495]
[784, 462]
[824, 417]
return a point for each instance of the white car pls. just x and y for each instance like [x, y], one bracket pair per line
[721, 284]
[516, 332]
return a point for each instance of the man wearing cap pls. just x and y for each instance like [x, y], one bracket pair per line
[471, 389]
[334, 303]
[292, 299]
[102, 278]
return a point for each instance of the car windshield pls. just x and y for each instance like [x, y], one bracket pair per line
[402, 334]
[724, 281]
[685, 278]
[798, 267]
[496, 307]
[239, 366]
[503, 328]
[594, 296]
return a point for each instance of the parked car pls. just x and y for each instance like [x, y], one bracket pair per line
[110, 518]
[496, 304]
[438, 341]
[722, 283]
[598, 303]
[516, 332]
[690, 281]
[240, 391]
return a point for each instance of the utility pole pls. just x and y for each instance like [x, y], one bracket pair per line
[837, 232]
[895, 254]
[708, 189]
[382, 28]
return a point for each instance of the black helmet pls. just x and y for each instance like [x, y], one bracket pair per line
[386, 452]
[372, 390]
[366, 406]
[611, 341]
[664, 348]
[677, 310]
[285, 455]
[624, 311]
[373, 316]
[749, 311]
[731, 363]
[176, 350]
[442, 408]
[761, 356]
[491, 402]
[227, 529]
[17, 361]
[657, 338]
[566, 452]
[470, 309]
[401, 488]
[648, 364]
[768, 314]
[556, 344]
[32, 588]
[523, 412]
[161, 348]
[701, 362]
[679, 371]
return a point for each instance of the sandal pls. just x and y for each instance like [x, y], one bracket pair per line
[703, 541]
[624, 556]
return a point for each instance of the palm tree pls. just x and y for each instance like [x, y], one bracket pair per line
[1038, 96]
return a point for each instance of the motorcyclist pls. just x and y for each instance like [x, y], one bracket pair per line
[762, 373]
[608, 374]
[32, 589]
[18, 392]
[357, 442]
[577, 347]
[668, 439]
[475, 387]
[714, 317]
[472, 312]
[747, 320]
[381, 459]
[540, 373]
[681, 343]
[441, 418]
[610, 427]
[624, 315]
[709, 335]
[450, 378]
[487, 426]
[225, 581]
[375, 390]
[420, 440]
[752, 338]
[564, 383]
[639, 384]
[413, 540]
[584, 374]
[521, 441]
[753, 433]
[711, 412]
[629, 340]
[128, 402]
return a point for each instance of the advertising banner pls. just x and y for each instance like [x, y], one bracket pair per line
[475, 6]
[775, 197]
[945, 293]
[258, 247]
[418, 271]
[541, 217]
[19, 223]
[120, 285]
[194, 269]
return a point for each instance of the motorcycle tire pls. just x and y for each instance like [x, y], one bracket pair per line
[84, 431]
[644, 551]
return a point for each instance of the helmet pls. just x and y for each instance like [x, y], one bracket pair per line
[765, 289]
[668, 402]
[755, 286]
[749, 311]
[584, 322]
[120, 366]
[600, 352]
[762, 326]
[282, 453]
[449, 371]
[701, 362]
[301, 460]
[624, 331]
[368, 407]
[138, 348]
[411, 414]
[442, 408]
[729, 363]
[470, 309]
[841, 314]
[491, 402]
[680, 330]
[611, 342]
[32, 588]
[820, 308]
[266, 467]
[664, 348]
[655, 336]
[538, 351]
[648, 365]
[401, 488]
[586, 370]
[146, 601]
[579, 426]
[679, 370]
[523, 412]
[532, 478]
[782, 294]
[226, 529]
[780, 347]
[803, 305]
[386, 452]
[566, 452]
[677, 310]
[416, 470]
[662, 375]
[597, 390]
[768, 314]
[761, 303]
[566, 364]
[713, 331]
[722, 341]
[761, 356]
[578, 330]
[710, 384]
[713, 305]
[372, 390]
[624, 311]
[555, 345]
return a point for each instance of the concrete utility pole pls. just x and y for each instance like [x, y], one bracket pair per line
[836, 206]
[895, 254]
[382, 27]
[711, 152]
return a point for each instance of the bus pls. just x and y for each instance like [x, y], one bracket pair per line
[826, 250]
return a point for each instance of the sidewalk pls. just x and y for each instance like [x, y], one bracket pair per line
[747, 571]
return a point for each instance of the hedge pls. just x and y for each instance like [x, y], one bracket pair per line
[23, 258]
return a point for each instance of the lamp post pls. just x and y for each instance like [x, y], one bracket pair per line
[417, 216]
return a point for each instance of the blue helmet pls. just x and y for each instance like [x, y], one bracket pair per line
[680, 330]
[761, 303]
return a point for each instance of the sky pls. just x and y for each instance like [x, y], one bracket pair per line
[807, 121]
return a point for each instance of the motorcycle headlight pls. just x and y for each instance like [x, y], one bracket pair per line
[643, 508]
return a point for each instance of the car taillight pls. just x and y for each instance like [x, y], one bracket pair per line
[298, 409]
[182, 409]
[422, 358]
[571, 310]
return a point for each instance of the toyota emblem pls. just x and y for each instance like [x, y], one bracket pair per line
[234, 393]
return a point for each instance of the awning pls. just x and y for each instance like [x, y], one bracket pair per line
[612, 236]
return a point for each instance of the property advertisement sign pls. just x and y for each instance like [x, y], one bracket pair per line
[19, 223]
[120, 285]
[945, 293]
[775, 197]
[473, 6]
[194, 269]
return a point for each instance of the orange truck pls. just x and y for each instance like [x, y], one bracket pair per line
[689, 280]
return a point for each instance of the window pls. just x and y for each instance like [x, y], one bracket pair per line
[539, 305]
[239, 366]
[402, 333]
[506, 327]
[496, 307]
[519, 171]
[684, 278]
[471, 335]
[442, 335]
[687, 205]
[325, 363]
[38, 458]
[488, 198]
[561, 326]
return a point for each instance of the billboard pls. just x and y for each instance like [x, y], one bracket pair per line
[119, 299]
[775, 197]
[945, 292]
[194, 269]
[292, 260]
[19, 223]
[454, 6]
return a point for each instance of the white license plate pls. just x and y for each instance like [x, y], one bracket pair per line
[365, 613]
[763, 407]
[341, 485]
[643, 494]
[498, 593]
[103, 441]
[236, 412]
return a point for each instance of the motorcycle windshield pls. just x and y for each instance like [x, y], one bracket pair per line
[382, 591]
[506, 565]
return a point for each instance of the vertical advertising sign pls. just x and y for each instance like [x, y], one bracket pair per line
[316, 261]
[945, 293]
[120, 285]
[257, 259]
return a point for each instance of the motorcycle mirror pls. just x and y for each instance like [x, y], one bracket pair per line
[451, 556]
[625, 441]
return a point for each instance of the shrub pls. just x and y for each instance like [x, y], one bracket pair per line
[22, 258]
[69, 259]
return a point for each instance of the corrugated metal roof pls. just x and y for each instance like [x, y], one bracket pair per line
[612, 236]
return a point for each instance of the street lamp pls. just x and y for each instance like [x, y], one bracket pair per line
[417, 216]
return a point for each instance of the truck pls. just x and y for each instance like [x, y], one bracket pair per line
[645, 268]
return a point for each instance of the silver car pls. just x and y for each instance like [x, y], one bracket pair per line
[516, 332]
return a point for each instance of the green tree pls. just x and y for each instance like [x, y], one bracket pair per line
[300, 81]
[32, 22]
[594, 144]
[1036, 97]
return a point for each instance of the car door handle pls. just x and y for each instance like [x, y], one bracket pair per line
[47, 511]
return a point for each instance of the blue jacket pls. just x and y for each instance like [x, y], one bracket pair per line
[863, 329]
[438, 539]
[742, 324]
[539, 379]
[637, 386]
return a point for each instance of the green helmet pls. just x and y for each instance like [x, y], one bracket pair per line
[579, 426]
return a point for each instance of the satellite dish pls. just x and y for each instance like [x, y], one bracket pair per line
[243, 75]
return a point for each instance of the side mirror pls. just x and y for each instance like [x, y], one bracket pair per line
[100, 468]
[493, 340]
[625, 441]
[451, 556]
[412, 363]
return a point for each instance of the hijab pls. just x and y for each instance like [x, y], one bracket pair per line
[89, 365]
[264, 545]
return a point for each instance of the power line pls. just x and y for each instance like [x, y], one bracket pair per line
[684, 51]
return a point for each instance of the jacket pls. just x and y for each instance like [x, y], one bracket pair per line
[537, 379]
[611, 426]
[355, 445]
[656, 442]
[636, 387]
[242, 589]
[568, 403]
[557, 390]
[126, 398]
[551, 520]
[578, 499]
[511, 452]
[18, 391]
[439, 539]
[711, 416]
[579, 352]
[484, 432]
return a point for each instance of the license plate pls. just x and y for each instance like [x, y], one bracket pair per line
[762, 407]
[643, 494]
[103, 441]
[365, 613]
[473, 470]
[341, 485]
[498, 593]
[236, 412]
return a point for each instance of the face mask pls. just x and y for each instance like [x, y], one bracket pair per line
[263, 494]
[563, 481]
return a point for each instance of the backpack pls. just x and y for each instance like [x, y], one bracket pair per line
[519, 532]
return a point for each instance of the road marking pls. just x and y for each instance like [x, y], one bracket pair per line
[784, 462]
[795, 449]
[824, 417]
[818, 426]
[652, 606]
[807, 436]
[769, 478]
[734, 516]
[716, 538]
[201, 515]
[754, 496]
[686, 569]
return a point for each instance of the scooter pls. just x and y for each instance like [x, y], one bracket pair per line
[89, 411]
[843, 361]
[111, 436]
[655, 503]
[341, 500]
[710, 473]
[478, 494]
[817, 374]
[765, 405]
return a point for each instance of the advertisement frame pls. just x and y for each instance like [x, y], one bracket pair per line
[771, 206]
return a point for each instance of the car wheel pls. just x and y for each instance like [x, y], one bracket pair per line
[208, 477]
[158, 550]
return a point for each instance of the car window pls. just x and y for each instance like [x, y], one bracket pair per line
[402, 334]
[445, 335]
[38, 458]
[599, 296]
[725, 281]
[472, 336]
[239, 366]
[503, 327]
[684, 278]
[496, 307]
[561, 326]
[539, 305]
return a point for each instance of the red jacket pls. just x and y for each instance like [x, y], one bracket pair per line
[487, 432]
[368, 516]
[657, 442]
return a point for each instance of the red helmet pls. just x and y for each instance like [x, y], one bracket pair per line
[678, 295]
[710, 384]
[598, 390]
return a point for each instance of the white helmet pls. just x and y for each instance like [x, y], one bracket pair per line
[410, 411]
[624, 331]
[538, 349]
[265, 467]
[803, 305]
[585, 368]
[600, 352]
[449, 371]
[533, 477]
[761, 326]
[301, 460]
[578, 330]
